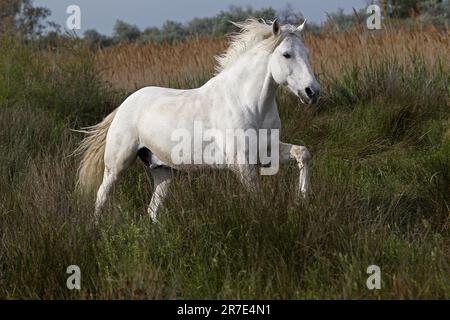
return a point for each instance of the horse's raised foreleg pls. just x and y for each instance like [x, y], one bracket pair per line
[162, 179]
[302, 156]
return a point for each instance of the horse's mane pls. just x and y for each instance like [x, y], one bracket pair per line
[252, 32]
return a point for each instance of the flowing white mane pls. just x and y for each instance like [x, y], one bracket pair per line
[252, 32]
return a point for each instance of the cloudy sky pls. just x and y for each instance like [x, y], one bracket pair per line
[102, 14]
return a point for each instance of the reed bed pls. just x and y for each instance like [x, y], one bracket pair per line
[132, 66]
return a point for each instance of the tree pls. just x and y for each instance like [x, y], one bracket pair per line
[340, 21]
[125, 32]
[436, 12]
[403, 8]
[221, 23]
[151, 34]
[201, 26]
[173, 31]
[9, 9]
[22, 18]
[288, 14]
[235, 14]
[95, 39]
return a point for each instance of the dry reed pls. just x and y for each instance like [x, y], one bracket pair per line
[131, 66]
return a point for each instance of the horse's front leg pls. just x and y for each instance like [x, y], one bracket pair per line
[302, 156]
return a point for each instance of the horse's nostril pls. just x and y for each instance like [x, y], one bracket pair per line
[310, 93]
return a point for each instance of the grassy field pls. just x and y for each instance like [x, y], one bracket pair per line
[380, 138]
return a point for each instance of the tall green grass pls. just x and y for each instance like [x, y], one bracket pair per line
[380, 178]
[60, 79]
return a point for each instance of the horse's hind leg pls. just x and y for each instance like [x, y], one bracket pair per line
[110, 176]
[162, 179]
[117, 159]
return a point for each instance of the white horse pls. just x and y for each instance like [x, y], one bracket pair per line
[241, 96]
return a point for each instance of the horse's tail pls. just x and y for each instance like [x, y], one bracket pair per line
[92, 150]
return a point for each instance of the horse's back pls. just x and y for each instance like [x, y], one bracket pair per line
[131, 109]
[148, 117]
[124, 127]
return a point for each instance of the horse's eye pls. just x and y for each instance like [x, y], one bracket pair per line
[286, 55]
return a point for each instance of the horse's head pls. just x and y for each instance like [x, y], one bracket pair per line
[289, 63]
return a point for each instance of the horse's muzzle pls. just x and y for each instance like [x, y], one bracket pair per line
[309, 95]
[312, 95]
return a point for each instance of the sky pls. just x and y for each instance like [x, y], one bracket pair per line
[102, 14]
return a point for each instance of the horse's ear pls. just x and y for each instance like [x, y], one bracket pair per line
[275, 27]
[302, 26]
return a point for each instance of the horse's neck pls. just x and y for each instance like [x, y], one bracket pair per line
[249, 78]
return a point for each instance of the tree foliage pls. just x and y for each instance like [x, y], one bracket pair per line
[436, 12]
[125, 32]
[23, 18]
[172, 31]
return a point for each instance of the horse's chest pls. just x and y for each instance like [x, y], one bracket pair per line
[251, 118]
